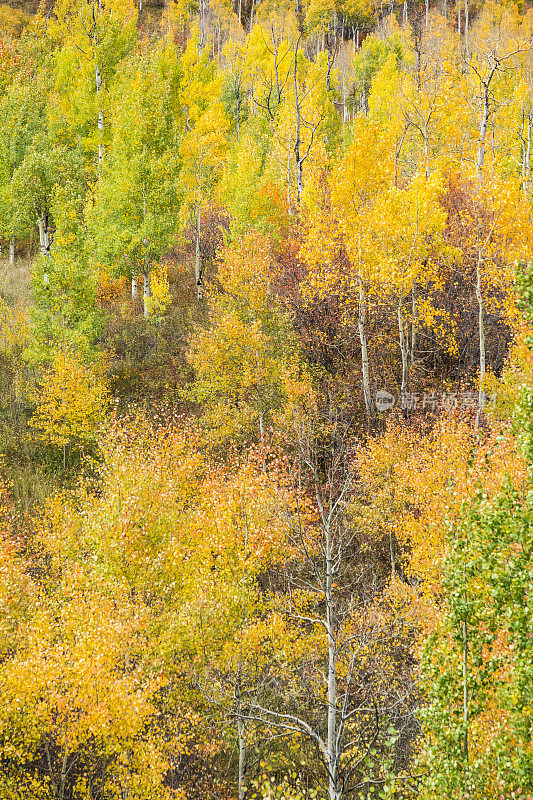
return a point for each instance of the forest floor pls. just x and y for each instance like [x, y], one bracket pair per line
[15, 281]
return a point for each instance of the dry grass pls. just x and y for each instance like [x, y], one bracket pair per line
[15, 281]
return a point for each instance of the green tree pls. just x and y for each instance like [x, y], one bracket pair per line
[478, 667]
[134, 215]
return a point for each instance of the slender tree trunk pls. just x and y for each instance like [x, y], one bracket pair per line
[413, 327]
[11, 253]
[465, 677]
[403, 348]
[63, 778]
[297, 143]
[201, 38]
[331, 58]
[44, 236]
[276, 71]
[465, 690]
[466, 30]
[482, 355]
[242, 759]
[526, 154]
[197, 256]
[482, 132]
[289, 177]
[364, 349]
[134, 289]
[426, 151]
[147, 293]
[459, 17]
[98, 81]
[333, 765]
[241, 739]
[427, 14]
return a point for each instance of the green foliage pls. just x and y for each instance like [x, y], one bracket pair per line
[65, 314]
[134, 214]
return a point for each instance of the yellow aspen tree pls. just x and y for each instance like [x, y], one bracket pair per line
[204, 145]
[338, 245]
[70, 404]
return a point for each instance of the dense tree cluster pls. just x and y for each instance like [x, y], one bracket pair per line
[267, 401]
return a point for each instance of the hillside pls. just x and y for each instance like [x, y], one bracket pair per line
[266, 432]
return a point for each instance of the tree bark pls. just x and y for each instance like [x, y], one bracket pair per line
[364, 349]
[403, 348]
[147, 293]
[413, 327]
[482, 355]
[44, 235]
[98, 81]
[466, 29]
[526, 154]
[11, 253]
[63, 778]
[197, 257]
[242, 759]
[485, 113]
[465, 690]
[333, 765]
[297, 143]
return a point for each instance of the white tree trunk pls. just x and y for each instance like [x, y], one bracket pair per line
[526, 155]
[44, 236]
[426, 150]
[242, 759]
[297, 143]
[466, 30]
[98, 81]
[403, 348]
[482, 355]
[482, 135]
[11, 253]
[197, 259]
[332, 750]
[134, 289]
[364, 348]
[147, 293]
[465, 689]
[413, 327]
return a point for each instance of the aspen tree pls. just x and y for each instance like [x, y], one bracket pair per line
[339, 239]
[133, 216]
[204, 144]
[95, 36]
[313, 697]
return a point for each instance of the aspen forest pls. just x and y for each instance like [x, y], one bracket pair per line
[266, 389]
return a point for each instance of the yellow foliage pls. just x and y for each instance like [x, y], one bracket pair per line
[14, 328]
[160, 297]
[71, 402]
